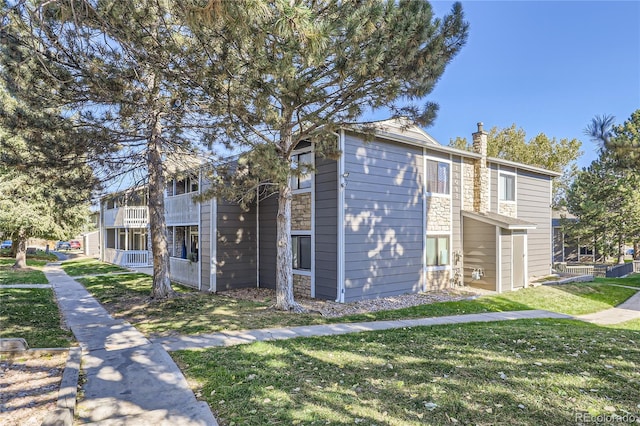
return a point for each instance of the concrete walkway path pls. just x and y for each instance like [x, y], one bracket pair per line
[132, 381]
[129, 380]
[626, 311]
[25, 286]
[230, 338]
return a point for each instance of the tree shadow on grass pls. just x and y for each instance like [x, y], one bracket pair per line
[517, 372]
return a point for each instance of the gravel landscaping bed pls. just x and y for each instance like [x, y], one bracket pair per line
[331, 309]
[29, 388]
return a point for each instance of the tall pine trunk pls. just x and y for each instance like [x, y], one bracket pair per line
[620, 249]
[284, 260]
[20, 250]
[157, 224]
[284, 257]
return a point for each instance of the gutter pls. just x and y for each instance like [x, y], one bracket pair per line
[340, 219]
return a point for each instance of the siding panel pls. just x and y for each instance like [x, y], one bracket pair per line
[268, 213]
[326, 229]
[534, 205]
[383, 218]
[506, 260]
[480, 252]
[205, 244]
[236, 247]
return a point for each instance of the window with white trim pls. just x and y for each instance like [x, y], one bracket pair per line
[438, 177]
[183, 242]
[301, 252]
[182, 185]
[586, 251]
[437, 250]
[507, 187]
[302, 162]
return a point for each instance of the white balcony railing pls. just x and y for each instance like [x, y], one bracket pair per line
[184, 271]
[128, 258]
[575, 269]
[181, 210]
[129, 217]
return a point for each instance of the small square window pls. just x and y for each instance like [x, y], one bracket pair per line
[438, 251]
[301, 251]
[507, 187]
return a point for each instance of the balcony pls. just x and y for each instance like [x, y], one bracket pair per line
[184, 271]
[126, 217]
[128, 258]
[181, 210]
[181, 270]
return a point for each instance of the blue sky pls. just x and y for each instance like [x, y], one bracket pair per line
[547, 66]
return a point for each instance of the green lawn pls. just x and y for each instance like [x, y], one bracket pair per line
[571, 299]
[33, 315]
[127, 296]
[32, 275]
[86, 266]
[631, 280]
[629, 325]
[509, 373]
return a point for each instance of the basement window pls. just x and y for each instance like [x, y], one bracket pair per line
[438, 250]
[301, 251]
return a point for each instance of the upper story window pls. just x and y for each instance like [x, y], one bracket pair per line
[302, 162]
[438, 177]
[507, 187]
[182, 185]
[123, 200]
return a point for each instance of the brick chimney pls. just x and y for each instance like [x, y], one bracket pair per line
[481, 175]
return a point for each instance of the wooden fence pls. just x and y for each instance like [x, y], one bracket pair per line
[608, 271]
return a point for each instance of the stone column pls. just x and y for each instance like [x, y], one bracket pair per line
[481, 178]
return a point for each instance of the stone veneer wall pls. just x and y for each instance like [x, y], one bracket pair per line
[438, 214]
[438, 280]
[508, 209]
[481, 172]
[468, 182]
[301, 212]
[301, 285]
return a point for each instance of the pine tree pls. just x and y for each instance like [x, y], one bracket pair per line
[123, 71]
[605, 199]
[301, 70]
[45, 181]
[624, 142]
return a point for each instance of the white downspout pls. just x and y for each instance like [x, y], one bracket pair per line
[101, 236]
[213, 285]
[340, 215]
[258, 237]
[199, 231]
[424, 219]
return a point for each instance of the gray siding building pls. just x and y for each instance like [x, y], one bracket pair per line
[397, 213]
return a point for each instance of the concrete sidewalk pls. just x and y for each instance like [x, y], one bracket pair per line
[230, 338]
[626, 311]
[129, 380]
[132, 381]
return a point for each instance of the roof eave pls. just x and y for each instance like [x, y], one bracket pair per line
[523, 166]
